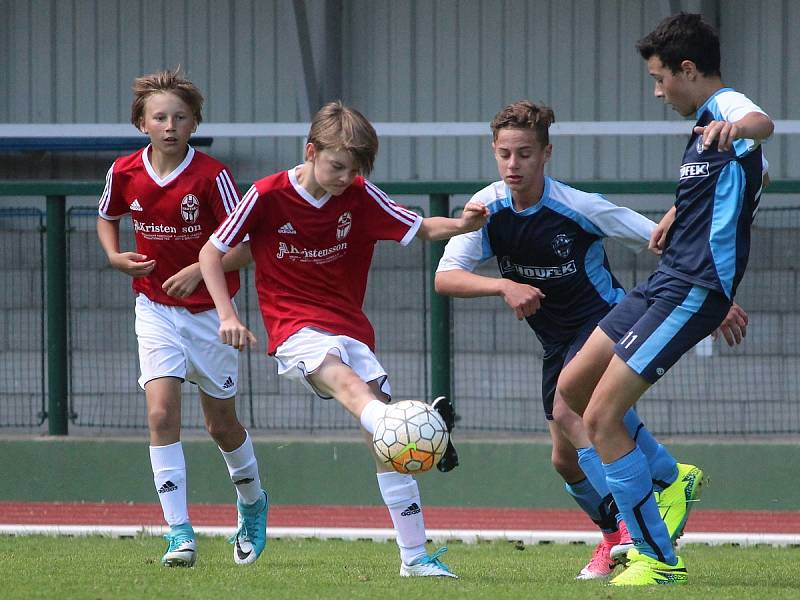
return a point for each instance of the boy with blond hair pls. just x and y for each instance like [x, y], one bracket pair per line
[312, 230]
[176, 197]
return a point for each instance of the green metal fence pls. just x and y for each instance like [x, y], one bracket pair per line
[69, 351]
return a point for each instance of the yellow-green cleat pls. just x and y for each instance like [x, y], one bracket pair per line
[644, 570]
[675, 502]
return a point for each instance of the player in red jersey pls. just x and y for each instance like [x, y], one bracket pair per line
[176, 197]
[312, 233]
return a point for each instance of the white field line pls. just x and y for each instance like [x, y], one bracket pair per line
[468, 536]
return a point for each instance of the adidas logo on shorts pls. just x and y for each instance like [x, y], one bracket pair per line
[412, 509]
[167, 487]
[287, 228]
[228, 384]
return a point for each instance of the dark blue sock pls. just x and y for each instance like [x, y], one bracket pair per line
[663, 467]
[632, 486]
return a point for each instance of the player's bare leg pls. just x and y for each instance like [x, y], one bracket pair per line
[236, 447]
[580, 376]
[627, 470]
[169, 468]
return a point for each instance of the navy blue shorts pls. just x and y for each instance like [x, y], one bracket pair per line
[660, 320]
[556, 356]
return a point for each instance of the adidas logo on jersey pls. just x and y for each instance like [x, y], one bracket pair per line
[167, 487]
[228, 384]
[135, 205]
[412, 509]
[287, 228]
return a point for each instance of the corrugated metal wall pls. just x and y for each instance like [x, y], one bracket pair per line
[403, 60]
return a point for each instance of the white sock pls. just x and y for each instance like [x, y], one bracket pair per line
[243, 469]
[371, 414]
[401, 496]
[169, 475]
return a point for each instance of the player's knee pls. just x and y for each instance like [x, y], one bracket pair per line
[162, 420]
[596, 425]
[222, 429]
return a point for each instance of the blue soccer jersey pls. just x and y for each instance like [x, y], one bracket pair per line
[716, 200]
[555, 245]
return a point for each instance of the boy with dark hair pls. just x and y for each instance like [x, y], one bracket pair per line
[706, 243]
[547, 238]
[313, 229]
[176, 197]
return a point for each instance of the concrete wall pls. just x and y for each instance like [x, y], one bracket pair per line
[397, 60]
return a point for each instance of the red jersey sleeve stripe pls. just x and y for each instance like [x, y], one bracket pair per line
[224, 186]
[105, 197]
[401, 214]
[231, 226]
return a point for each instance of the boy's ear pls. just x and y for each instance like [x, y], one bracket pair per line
[548, 151]
[689, 69]
[311, 151]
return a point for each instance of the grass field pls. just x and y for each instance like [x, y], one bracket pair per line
[102, 567]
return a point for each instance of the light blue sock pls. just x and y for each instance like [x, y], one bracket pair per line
[663, 467]
[592, 504]
[591, 465]
[630, 481]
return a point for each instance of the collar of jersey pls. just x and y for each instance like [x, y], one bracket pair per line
[702, 109]
[303, 193]
[531, 209]
[171, 177]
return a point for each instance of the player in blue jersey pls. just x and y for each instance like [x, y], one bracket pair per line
[705, 239]
[547, 238]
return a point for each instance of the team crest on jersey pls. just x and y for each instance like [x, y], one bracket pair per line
[344, 225]
[190, 208]
[699, 146]
[562, 245]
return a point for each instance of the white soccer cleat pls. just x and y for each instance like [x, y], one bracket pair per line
[181, 547]
[427, 566]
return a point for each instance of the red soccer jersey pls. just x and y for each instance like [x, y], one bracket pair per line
[172, 217]
[313, 256]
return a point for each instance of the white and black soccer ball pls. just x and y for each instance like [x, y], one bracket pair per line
[411, 437]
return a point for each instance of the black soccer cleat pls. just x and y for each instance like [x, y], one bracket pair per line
[444, 407]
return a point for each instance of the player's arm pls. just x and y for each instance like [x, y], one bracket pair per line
[130, 263]
[523, 299]
[752, 126]
[734, 326]
[231, 329]
[185, 281]
[658, 239]
[472, 218]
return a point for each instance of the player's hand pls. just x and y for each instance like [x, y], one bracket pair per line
[733, 327]
[473, 216]
[184, 282]
[233, 333]
[523, 299]
[132, 263]
[723, 132]
[658, 239]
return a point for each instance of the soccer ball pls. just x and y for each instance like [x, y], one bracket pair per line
[411, 437]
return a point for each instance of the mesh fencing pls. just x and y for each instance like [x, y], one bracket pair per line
[752, 389]
[22, 318]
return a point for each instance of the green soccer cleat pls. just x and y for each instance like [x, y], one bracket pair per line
[644, 570]
[675, 501]
[181, 547]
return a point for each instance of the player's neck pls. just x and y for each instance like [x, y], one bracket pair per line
[524, 199]
[707, 87]
[163, 164]
[305, 177]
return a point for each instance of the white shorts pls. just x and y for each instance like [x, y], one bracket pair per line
[305, 350]
[174, 342]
